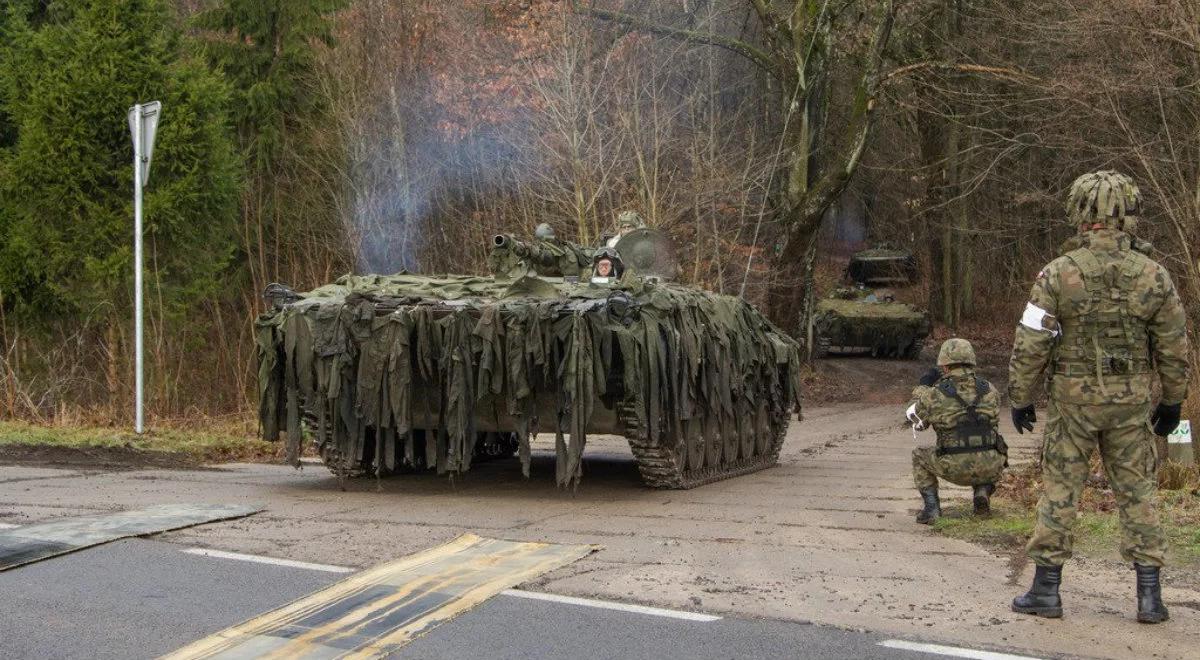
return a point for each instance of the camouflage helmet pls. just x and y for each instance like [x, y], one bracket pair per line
[1106, 197]
[630, 220]
[613, 256]
[544, 232]
[956, 351]
[606, 253]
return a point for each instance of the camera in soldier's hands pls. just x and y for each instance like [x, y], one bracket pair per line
[931, 377]
[1023, 418]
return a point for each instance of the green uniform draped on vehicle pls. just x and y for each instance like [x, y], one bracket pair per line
[401, 372]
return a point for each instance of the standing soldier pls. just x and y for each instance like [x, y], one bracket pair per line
[964, 411]
[627, 221]
[1101, 321]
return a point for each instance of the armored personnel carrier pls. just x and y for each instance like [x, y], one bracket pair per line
[865, 317]
[408, 372]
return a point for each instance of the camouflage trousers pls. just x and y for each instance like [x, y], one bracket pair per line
[975, 468]
[1126, 443]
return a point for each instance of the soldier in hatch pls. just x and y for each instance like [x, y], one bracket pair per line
[544, 232]
[963, 410]
[1102, 321]
[627, 221]
[607, 266]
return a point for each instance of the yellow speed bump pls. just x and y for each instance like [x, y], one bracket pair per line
[374, 613]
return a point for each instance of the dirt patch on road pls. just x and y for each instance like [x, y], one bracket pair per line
[870, 381]
[861, 380]
[108, 449]
[100, 459]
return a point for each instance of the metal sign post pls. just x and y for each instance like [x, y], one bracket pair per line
[143, 123]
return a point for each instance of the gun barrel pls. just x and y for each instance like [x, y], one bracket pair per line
[516, 246]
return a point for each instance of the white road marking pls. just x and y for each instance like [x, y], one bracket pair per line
[8, 526]
[610, 605]
[517, 593]
[953, 651]
[221, 554]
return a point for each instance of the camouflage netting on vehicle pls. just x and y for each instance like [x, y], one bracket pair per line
[881, 252]
[865, 317]
[890, 311]
[405, 370]
[882, 266]
[884, 328]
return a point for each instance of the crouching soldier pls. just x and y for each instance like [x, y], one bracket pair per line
[963, 410]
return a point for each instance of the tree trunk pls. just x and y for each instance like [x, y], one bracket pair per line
[966, 269]
[952, 253]
[112, 372]
[808, 291]
[797, 54]
[931, 130]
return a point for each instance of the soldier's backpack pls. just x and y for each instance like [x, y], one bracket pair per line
[974, 432]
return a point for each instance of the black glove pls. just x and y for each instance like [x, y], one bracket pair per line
[1023, 418]
[931, 377]
[1165, 418]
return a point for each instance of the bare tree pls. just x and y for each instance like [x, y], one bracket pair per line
[797, 51]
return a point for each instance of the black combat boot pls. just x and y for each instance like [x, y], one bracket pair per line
[1149, 595]
[933, 507]
[983, 505]
[1042, 598]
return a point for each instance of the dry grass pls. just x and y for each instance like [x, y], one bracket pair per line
[213, 445]
[1097, 529]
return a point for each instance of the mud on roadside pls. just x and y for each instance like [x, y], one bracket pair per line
[861, 379]
[98, 459]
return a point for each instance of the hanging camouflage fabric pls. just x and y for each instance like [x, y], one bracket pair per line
[406, 372]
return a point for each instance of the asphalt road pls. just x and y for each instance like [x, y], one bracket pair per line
[141, 598]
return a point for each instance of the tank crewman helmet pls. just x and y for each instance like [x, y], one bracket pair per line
[629, 220]
[544, 232]
[956, 351]
[611, 255]
[1106, 197]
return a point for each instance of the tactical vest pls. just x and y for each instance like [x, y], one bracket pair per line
[1101, 336]
[973, 431]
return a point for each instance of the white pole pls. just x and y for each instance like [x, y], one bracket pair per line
[138, 426]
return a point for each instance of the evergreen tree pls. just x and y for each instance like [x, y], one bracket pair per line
[70, 71]
[267, 50]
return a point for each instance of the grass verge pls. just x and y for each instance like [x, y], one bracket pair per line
[166, 447]
[1097, 528]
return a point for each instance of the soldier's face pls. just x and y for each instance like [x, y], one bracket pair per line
[604, 268]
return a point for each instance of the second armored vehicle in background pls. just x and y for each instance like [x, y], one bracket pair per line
[866, 317]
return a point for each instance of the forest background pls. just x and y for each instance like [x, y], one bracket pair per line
[304, 139]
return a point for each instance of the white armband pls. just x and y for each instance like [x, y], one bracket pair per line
[917, 422]
[1034, 318]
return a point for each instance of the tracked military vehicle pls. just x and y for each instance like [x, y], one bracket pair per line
[409, 372]
[865, 317]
